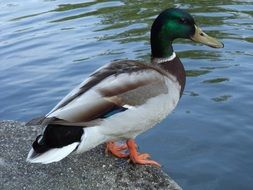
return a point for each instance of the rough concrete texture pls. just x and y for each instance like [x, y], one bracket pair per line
[90, 170]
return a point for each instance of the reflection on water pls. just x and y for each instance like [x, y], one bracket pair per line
[48, 47]
[221, 98]
[195, 73]
[216, 80]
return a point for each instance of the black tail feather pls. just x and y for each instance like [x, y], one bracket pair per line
[39, 147]
[57, 136]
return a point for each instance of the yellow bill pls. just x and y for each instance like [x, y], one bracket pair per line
[202, 37]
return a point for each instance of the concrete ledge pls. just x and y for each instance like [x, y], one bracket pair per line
[91, 170]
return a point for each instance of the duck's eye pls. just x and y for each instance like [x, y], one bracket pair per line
[183, 21]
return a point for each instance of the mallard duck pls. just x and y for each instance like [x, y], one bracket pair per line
[122, 99]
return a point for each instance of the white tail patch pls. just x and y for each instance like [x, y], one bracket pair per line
[52, 155]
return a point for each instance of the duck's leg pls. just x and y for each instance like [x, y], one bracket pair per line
[138, 158]
[116, 150]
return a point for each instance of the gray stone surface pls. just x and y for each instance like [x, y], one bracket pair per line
[90, 170]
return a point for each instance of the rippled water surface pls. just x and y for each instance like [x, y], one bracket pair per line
[48, 47]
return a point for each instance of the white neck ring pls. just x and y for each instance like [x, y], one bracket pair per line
[163, 60]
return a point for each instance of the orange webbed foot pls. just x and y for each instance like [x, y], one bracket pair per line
[116, 150]
[137, 158]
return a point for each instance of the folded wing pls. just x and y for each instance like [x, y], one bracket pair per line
[109, 90]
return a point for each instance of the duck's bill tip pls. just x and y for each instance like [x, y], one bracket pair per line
[216, 45]
[202, 37]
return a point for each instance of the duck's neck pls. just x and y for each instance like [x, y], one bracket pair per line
[161, 39]
[161, 42]
[161, 48]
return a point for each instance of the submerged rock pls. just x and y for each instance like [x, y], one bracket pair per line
[90, 170]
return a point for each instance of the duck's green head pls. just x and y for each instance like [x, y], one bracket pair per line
[176, 23]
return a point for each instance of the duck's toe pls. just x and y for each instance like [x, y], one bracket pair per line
[137, 158]
[144, 161]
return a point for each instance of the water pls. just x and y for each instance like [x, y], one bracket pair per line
[48, 47]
